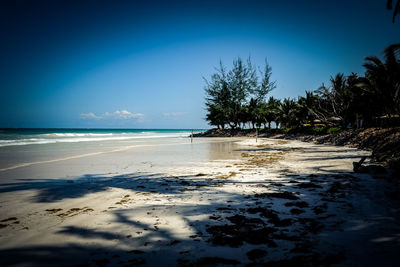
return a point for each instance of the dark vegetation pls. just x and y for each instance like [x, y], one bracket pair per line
[383, 142]
[362, 111]
[238, 97]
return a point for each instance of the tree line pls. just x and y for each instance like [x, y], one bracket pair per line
[238, 97]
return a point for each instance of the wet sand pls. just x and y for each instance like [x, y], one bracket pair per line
[214, 202]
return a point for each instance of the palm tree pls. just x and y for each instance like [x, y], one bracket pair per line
[308, 108]
[288, 113]
[358, 112]
[271, 110]
[336, 99]
[382, 81]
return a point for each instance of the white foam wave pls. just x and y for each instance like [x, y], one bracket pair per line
[77, 134]
[75, 138]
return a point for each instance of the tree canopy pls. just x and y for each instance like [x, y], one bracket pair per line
[235, 97]
[238, 97]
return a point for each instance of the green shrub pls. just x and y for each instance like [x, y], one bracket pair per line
[333, 130]
[318, 130]
[287, 130]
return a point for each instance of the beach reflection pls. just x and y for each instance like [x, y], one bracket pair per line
[222, 150]
[155, 155]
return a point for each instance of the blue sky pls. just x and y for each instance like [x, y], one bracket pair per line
[140, 64]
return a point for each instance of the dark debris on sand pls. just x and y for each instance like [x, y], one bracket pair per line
[256, 254]
[283, 195]
[242, 229]
[293, 225]
[281, 227]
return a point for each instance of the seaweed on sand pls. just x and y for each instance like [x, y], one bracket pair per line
[242, 229]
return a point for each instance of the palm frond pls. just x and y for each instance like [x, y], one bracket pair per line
[389, 4]
[374, 60]
[396, 10]
[392, 51]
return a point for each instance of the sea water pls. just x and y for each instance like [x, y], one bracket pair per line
[20, 137]
[21, 146]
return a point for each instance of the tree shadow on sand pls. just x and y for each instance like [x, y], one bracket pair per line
[300, 219]
[51, 190]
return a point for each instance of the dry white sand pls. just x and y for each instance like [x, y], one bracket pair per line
[228, 201]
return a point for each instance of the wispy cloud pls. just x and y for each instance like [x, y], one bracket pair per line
[118, 114]
[174, 114]
[90, 115]
[124, 114]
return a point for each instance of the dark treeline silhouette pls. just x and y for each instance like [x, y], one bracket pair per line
[238, 97]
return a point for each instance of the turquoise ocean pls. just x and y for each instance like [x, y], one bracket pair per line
[26, 146]
[22, 137]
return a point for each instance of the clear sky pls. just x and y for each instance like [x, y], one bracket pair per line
[140, 64]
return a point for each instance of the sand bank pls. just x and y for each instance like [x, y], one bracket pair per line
[217, 201]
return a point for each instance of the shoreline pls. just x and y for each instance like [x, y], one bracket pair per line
[384, 143]
[272, 202]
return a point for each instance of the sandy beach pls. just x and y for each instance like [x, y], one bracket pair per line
[216, 201]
